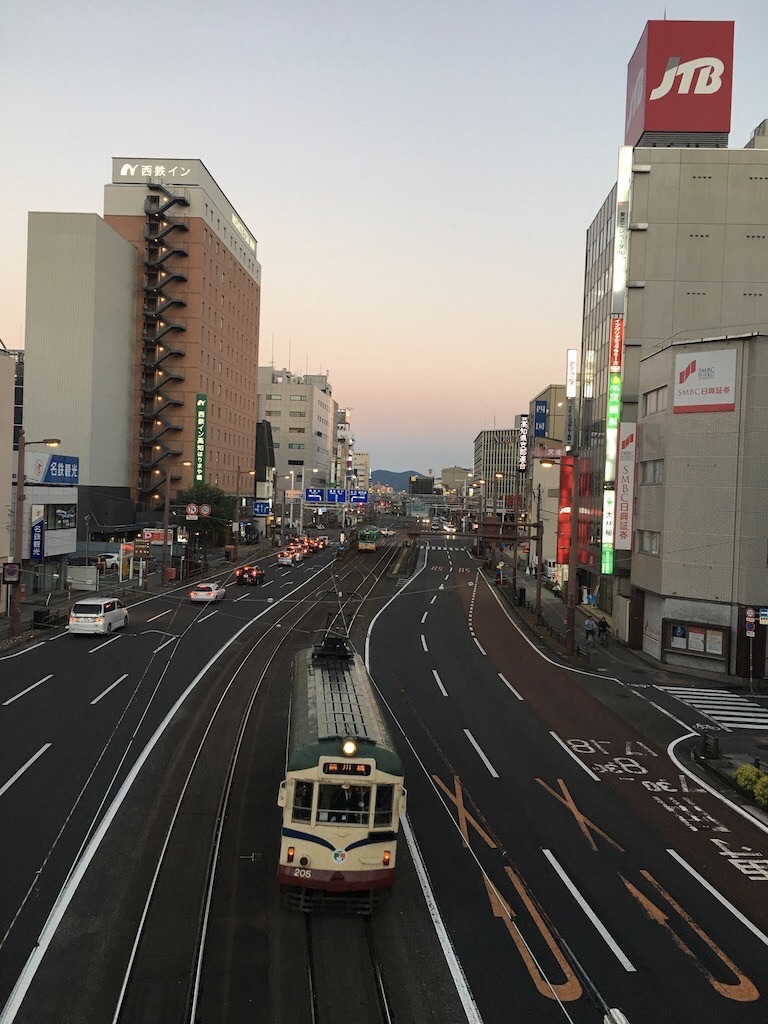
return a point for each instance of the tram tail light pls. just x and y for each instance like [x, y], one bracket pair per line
[291, 854]
[386, 858]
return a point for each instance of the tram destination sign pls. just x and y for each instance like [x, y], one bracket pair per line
[356, 768]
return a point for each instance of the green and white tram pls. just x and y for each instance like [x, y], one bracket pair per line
[369, 539]
[343, 795]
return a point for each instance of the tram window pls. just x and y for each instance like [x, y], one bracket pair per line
[382, 814]
[302, 801]
[344, 803]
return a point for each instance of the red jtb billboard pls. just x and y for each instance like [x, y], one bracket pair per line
[680, 79]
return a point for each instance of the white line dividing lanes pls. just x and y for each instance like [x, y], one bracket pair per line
[483, 758]
[510, 686]
[111, 687]
[437, 680]
[166, 612]
[21, 694]
[23, 768]
[424, 642]
[602, 930]
[570, 753]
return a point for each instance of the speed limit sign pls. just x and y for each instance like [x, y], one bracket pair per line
[205, 510]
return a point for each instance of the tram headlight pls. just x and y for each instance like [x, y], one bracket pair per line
[349, 747]
[386, 858]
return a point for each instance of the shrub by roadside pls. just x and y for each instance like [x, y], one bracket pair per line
[753, 781]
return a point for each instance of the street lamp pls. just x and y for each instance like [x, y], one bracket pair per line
[166, 521]
[52, 442]
[236, 520]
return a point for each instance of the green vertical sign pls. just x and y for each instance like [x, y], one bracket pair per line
[201, 426]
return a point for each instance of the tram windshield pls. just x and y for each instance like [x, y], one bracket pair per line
[382, 814]
[302, 801]
[344, 803]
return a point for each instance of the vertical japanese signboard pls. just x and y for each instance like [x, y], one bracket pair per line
[522, 444]
[625, 487]
[540, 418]
[37, 535]
[201, 427]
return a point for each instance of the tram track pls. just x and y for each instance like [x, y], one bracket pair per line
[165, 972]
[348, 987]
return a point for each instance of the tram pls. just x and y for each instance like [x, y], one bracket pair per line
[369, 539]
[343, 795]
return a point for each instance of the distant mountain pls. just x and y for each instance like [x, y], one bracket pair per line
[397, 481]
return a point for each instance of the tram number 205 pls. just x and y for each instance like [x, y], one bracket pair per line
[302, 873]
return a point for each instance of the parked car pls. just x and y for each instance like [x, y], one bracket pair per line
[205, 592]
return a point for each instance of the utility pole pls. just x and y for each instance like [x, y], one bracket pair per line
[573, 560]
[539, 552]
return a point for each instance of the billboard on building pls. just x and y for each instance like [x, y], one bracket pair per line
[201, 437]
[540, 417]
[705, 382]
[680, 78]
[625, 487]
[51, 468]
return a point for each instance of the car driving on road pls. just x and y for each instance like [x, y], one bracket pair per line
[205, 592]
[249, 575]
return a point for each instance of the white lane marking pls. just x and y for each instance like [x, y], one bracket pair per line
[479, 645]
[448, 576]
[719, 896]
[166, 612]
[105, 692]
[106, 643]
[745, 812]
[21, 694]
[511, 687]
[424, 618]
[437, 680]
[32, 647]
[449, 952]
[424, 642]
[23, 768]
[670, 715]
[169, 641]
[241, 598]
[208, 615]
[570, 753]
[483, 758]
[602, 930]
[433, 599]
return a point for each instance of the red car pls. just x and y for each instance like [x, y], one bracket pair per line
[249, 575]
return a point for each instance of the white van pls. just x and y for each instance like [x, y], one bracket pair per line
[97, 615]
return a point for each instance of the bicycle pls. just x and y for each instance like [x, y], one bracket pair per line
[603, 636]
[590, 639]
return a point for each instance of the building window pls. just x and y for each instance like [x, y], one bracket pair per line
[298, 415]
[652, 472]
[648, 542]
[274, 398]
[655, 401]
[270, 413]
[298, 398]
[294, 445]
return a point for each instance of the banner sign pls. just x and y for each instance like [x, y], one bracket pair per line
[50, 468]
[625, 487]
[522, 444]
[37, 536]
[540, 418]
[201, 418]
[705, 382]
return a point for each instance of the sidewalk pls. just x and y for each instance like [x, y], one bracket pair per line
[617, 659]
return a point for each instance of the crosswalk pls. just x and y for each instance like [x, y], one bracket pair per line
[730, 710]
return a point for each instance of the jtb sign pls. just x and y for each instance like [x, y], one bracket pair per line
[679, 79]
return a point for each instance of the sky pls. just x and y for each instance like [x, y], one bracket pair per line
[419, 175]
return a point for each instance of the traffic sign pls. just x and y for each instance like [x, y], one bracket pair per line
[358, 497]
[192, 510]
[751, 629]
[336, 496]
[764, 616]
[750, 614]
[205, 510]
[262, 508]
[313, 495]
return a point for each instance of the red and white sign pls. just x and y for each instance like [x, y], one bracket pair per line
[680, 78]
[617, 344]
[625, 486]
[705, 382]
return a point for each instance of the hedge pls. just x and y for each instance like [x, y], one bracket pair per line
[753, 781]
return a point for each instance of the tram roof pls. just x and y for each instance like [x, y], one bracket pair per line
[333, 699]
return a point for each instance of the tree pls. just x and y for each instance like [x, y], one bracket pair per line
[215, 527]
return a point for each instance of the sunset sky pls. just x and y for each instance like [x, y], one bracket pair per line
[419, 175]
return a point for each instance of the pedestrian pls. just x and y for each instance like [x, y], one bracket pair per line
[590, 629]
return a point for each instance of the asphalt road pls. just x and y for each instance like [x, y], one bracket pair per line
[558, 858]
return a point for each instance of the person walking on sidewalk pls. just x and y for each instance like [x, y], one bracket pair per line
[590, 627]
[602, 631]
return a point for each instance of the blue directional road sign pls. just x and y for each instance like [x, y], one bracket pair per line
[261, 508]
[336, 496]
[314, 495]
[358, 497]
